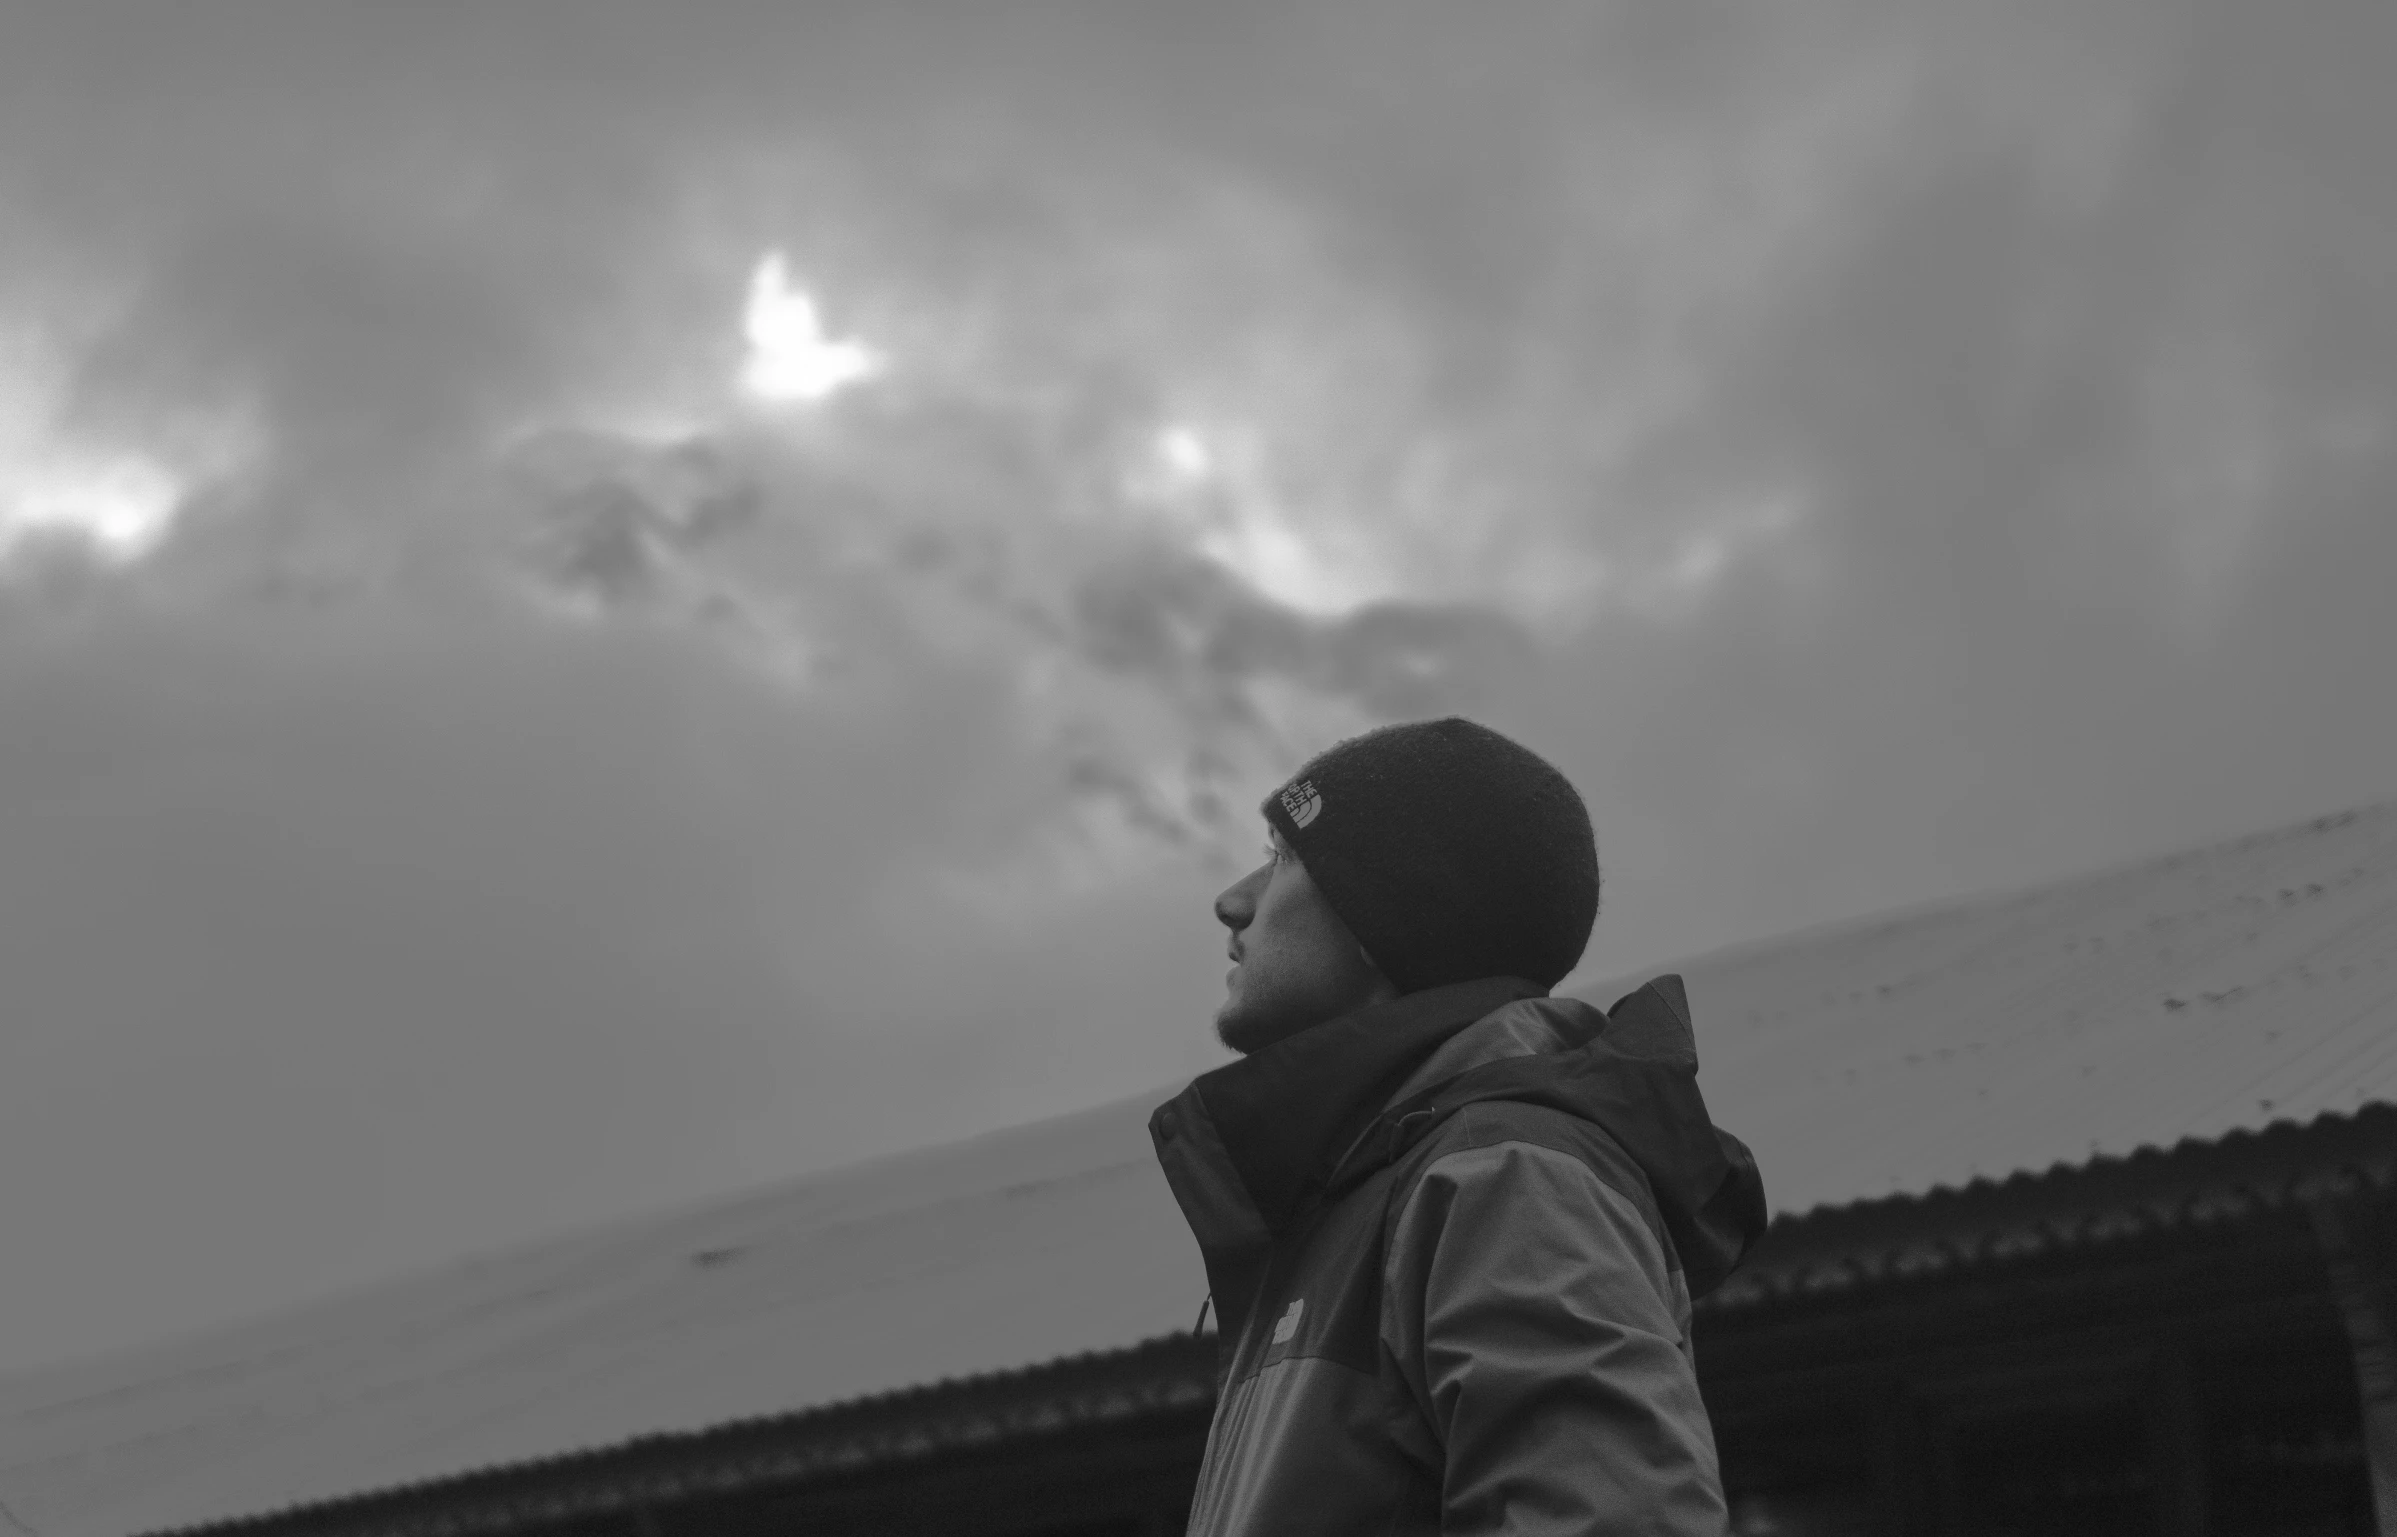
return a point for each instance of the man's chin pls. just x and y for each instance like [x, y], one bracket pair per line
[1246, 1030]
[1237, 1030]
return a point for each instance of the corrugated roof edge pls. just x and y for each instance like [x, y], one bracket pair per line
[1822, 1253]
[1174, 1372]
[2194, 1183]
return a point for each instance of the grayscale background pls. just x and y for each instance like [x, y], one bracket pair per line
[488, 743]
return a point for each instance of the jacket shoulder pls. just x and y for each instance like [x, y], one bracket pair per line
[1492, 1123]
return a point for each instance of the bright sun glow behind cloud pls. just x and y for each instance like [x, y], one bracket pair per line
[790, 357]
[114, 500]
[120, 505]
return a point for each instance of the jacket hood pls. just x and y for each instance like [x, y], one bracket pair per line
[1251, 1147]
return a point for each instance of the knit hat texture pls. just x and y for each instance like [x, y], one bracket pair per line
[1450, 851]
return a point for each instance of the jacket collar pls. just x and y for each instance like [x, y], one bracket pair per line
[1250, 1147]
[1526, 1028]
[1274, 1122]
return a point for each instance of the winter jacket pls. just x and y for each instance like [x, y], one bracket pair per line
[1452, 1242]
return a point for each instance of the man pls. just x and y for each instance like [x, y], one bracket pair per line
[1452, 1225]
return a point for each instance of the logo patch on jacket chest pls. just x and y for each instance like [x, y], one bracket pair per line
[1321, 1295]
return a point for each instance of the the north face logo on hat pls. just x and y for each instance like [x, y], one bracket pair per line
[1303, 801]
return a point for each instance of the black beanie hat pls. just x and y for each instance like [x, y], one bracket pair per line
[1451, 852]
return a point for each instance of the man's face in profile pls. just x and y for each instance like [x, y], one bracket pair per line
[1295, 963]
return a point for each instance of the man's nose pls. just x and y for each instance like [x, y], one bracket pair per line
[1236, 906]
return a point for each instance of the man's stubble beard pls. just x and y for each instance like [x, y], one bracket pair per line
[1247, 1027]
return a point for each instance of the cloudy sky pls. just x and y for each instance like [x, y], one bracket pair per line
[602, 602]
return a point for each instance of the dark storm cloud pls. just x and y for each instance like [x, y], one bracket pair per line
[1196, 631]
[610, 527]
[695, 529]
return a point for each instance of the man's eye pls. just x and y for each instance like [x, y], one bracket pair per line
[1273, 855]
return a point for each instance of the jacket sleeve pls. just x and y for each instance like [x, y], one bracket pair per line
[1537, 1321]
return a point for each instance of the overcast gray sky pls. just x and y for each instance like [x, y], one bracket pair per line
[508, 718]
